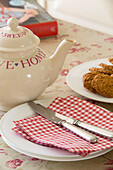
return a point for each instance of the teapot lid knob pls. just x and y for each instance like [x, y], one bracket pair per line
[13, 23]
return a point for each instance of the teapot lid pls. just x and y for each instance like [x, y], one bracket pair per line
[14, 38]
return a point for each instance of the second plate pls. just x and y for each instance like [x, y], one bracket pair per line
[75, 80]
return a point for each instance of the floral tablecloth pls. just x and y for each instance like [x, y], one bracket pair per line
[90, 45]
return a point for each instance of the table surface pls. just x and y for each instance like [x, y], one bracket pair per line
[90, 45]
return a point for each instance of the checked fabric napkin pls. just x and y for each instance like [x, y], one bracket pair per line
[41, 131]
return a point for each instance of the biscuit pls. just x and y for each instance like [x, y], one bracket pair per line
[87, 79]
[108, 67]
[110, 60]
[103, 84]
[101, 70]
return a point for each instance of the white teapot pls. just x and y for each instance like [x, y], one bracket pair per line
[25, 71]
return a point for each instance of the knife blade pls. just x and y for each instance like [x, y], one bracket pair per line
[52, 116]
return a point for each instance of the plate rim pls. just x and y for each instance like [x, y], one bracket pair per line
[74, 158]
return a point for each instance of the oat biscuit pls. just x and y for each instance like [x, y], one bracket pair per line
[87, 79]
[103, 84]
[110, 60]
[108, 67]
[101, 70]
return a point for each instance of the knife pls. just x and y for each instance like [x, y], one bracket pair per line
[52, 116]
[101, 131]
[93, 128]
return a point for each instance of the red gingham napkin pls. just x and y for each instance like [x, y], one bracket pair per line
[41, 131]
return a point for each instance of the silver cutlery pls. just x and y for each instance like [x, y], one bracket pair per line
[101, 131]
[53, 117]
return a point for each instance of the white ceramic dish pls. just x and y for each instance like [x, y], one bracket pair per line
[24, 146]
[75, 80]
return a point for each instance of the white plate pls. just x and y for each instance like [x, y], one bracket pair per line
[75, 80]
[20, 144]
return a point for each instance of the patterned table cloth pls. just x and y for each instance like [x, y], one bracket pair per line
[90, 45]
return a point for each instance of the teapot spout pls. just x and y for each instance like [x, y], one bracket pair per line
[58, 58]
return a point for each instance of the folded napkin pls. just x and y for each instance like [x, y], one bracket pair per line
[41, 131]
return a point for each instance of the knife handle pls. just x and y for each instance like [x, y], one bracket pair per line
[82, 133]
[96, 129]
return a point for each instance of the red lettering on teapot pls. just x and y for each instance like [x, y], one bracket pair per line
[7, 64]
[3, 34]
[10, 65]
[34, 60]
[1, 63]
[25, 62]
